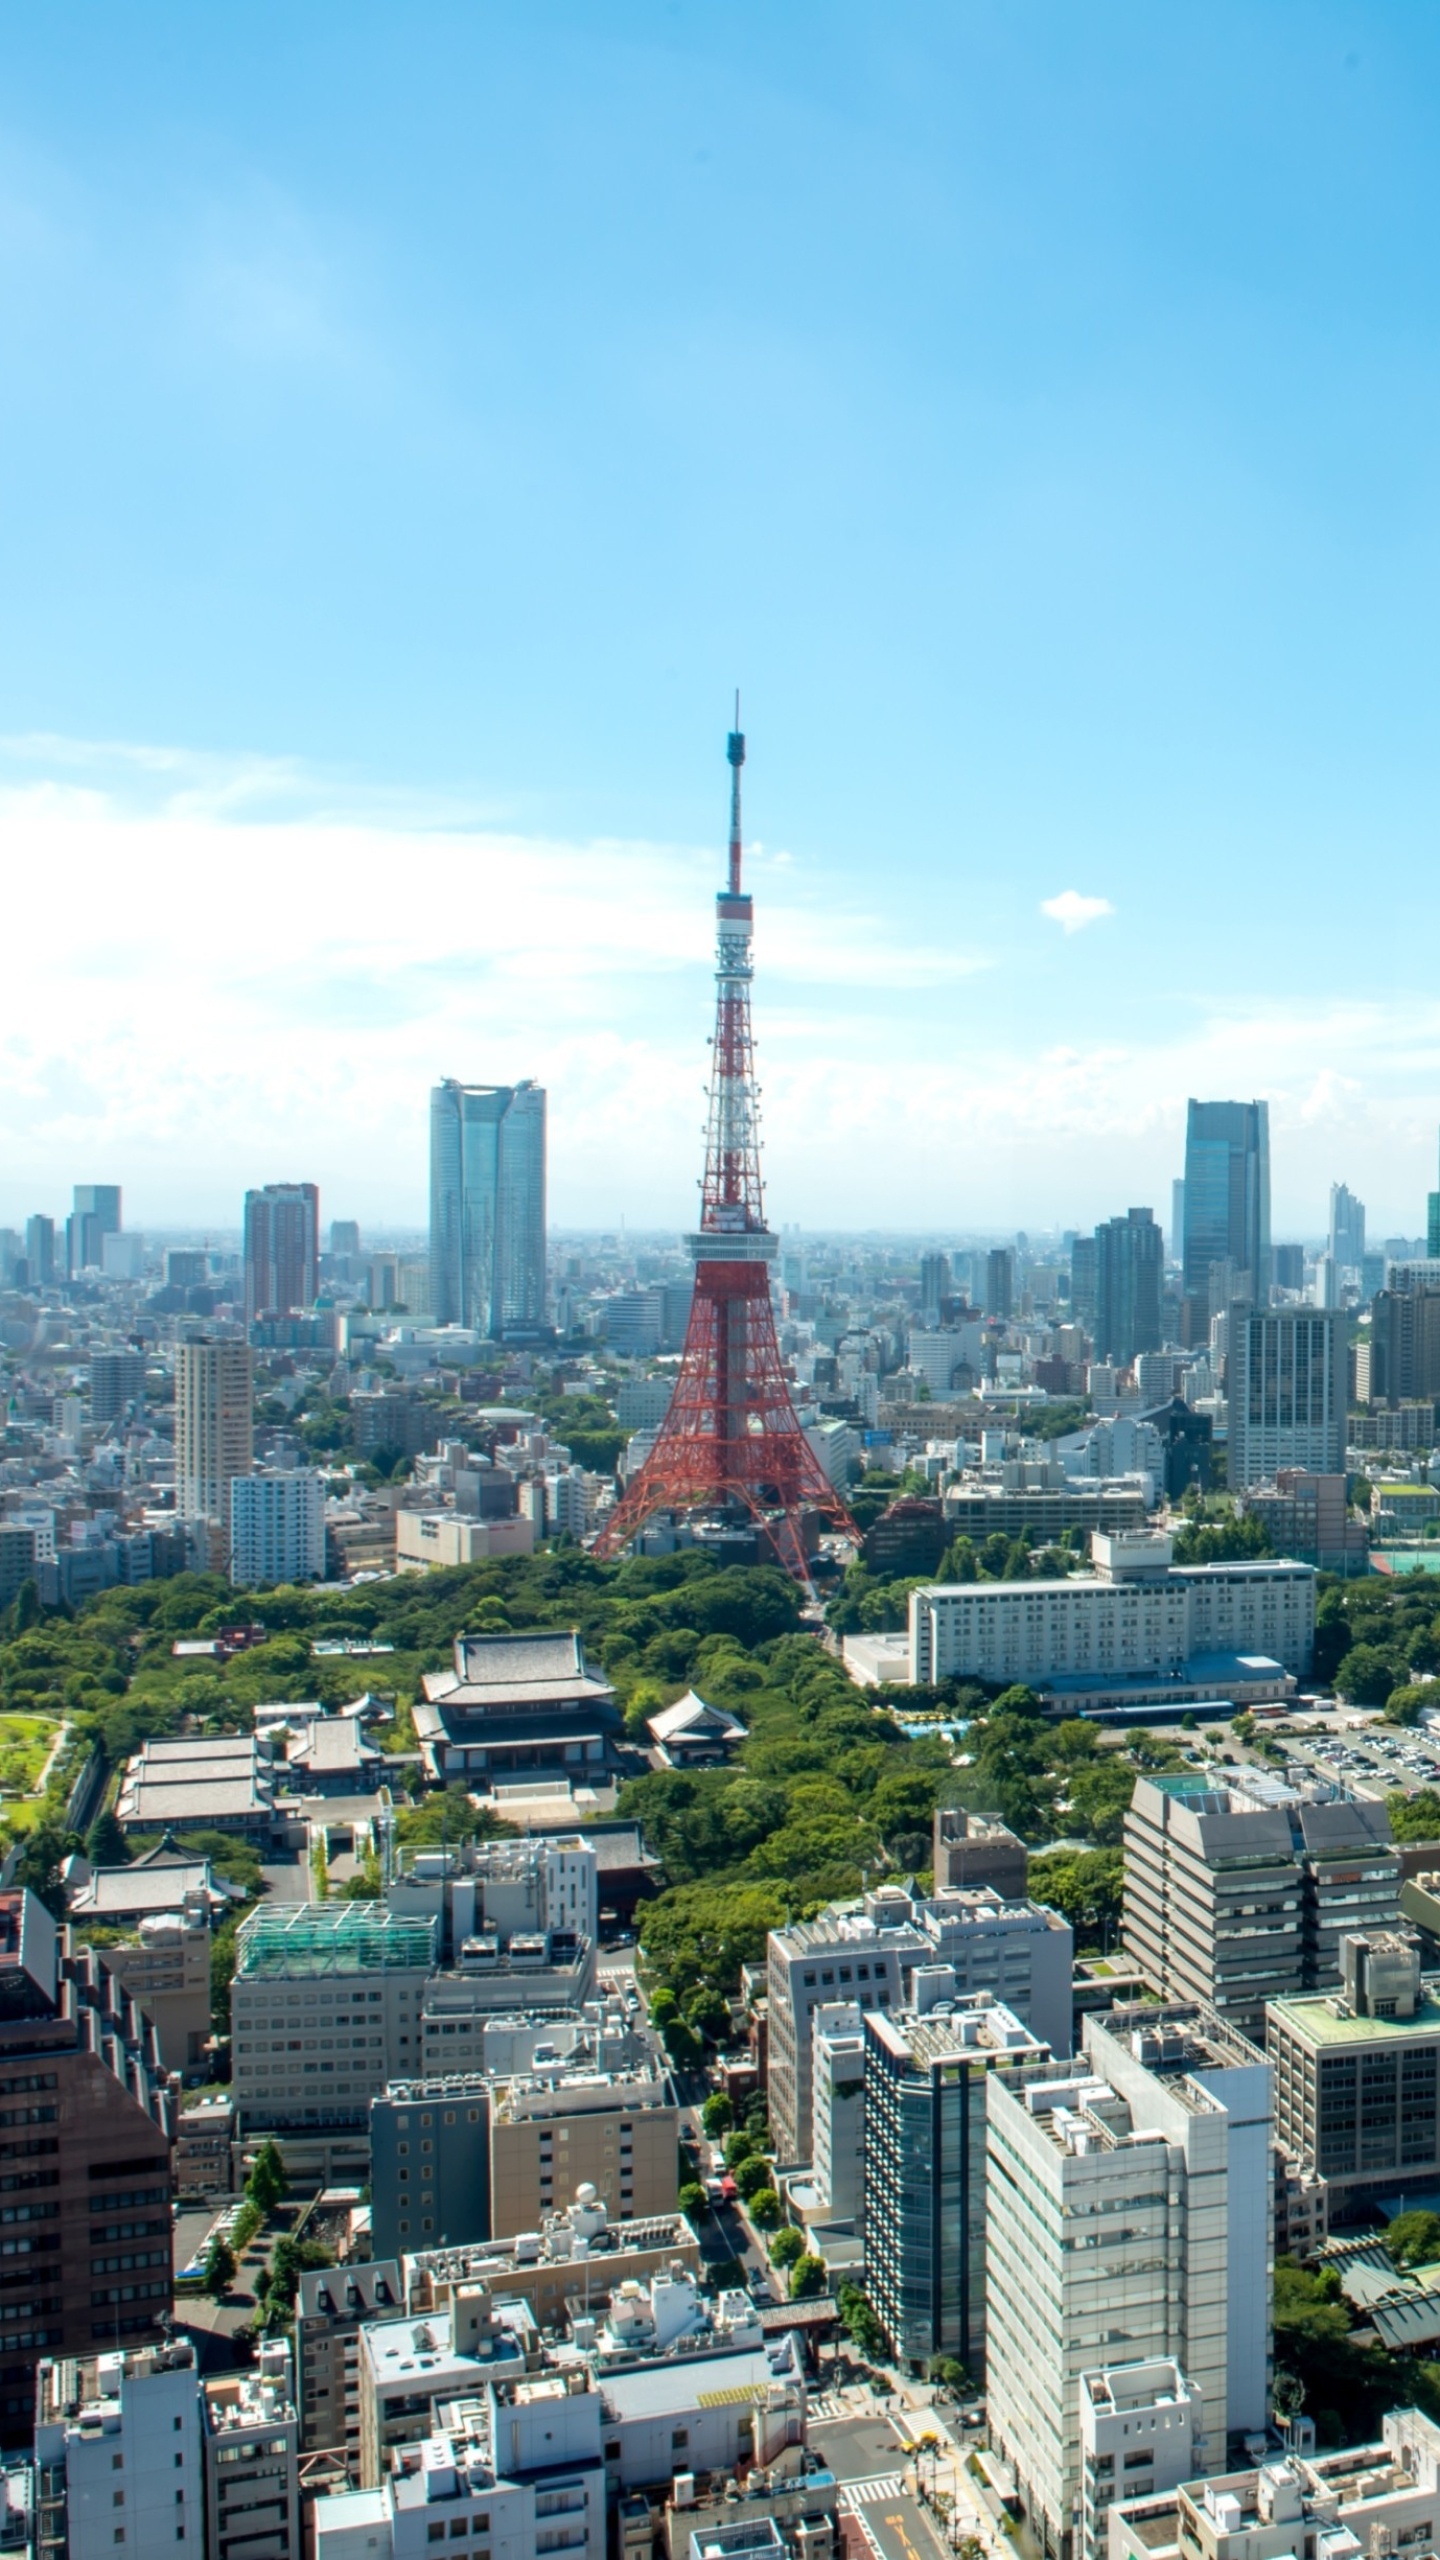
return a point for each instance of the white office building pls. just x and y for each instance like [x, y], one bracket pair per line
[838, 2111]
[277, 1528]
[1130, 2216]
[119, 2455]
[1139, 2427]
[1138, 1616]
[873, 1952]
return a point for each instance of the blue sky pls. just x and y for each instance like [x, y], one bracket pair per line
[412, 425]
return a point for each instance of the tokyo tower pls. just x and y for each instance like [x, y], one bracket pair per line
[731, 1441]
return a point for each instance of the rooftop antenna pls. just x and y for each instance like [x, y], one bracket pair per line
[735, 751]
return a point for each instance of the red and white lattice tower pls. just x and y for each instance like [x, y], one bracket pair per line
[731, 1440]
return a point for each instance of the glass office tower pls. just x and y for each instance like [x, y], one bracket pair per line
[1227, 1208]
[487, 1207]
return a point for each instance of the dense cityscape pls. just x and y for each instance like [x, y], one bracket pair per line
[719, 1452]
[766, 1893]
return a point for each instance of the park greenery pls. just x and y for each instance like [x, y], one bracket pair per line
[1333, 2367]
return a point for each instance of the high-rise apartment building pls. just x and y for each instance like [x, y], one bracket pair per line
[1084, 1281]
[1227, 1205]
[1288, 1388]
[1129, 1273]
[214, 1425]
[95, 1215]
[1404, 1345]
[117, 1382]
[40, 1251]
[277, 1527]
[345, 1235]
[1237, 1896]
[282, 1249]
[487, 1207]
[1129, 2218]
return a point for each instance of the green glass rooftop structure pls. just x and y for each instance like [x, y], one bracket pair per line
[300, 1938]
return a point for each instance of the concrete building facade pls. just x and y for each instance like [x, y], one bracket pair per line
[1138, 1614]
[214, 1426]
[1238, 1895]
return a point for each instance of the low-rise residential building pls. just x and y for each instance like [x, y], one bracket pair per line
[508, 2471]
[204, 2131]
[573, 2264]
[134, 2451]
[1370, 2498]
[405, 2365]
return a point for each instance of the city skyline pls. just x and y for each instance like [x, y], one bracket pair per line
[1068, 539]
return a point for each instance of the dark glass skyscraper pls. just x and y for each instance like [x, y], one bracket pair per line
[487, 1207]
[1129, 1270]
[1227, 1206]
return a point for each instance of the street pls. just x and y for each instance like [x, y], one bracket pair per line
[871, 2460]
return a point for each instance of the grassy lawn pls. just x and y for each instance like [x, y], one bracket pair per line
[25, 1743]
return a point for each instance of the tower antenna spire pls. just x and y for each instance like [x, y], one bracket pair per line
[735, 750]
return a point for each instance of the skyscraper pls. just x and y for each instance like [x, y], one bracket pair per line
[999, 1281]
[1288, 1387]
[1083, 1280]
[1432, 1226]
[95, 1215]
[936, 1283]
[1227, 1204]
[40, 1251]
[1177, 1220]
[1129, 1270]
[487, 1206]
[214, 1428]
[1347, 1228]
[282, 1249]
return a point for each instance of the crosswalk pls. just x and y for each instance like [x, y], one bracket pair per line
[868, 2493]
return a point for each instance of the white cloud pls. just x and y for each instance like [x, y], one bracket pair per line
[1073, 912]
[217, 974]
